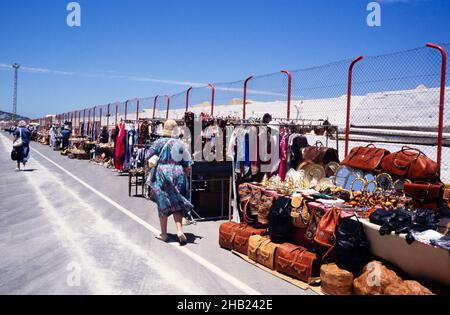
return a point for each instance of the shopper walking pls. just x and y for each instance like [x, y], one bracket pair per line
[169, 179]
[21, 145]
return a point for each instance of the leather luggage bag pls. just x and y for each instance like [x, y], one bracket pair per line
[227, 233]
[242, 236]
[297, 262]
[262, 250]
[367, 158]
[336, 281]
[412, 164]
[319, 154]
[424, 196]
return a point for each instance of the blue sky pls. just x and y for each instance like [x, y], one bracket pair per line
[195, 41]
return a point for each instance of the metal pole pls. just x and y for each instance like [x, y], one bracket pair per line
[168, 107]
[441, 100]
[212, 98]
[16, 67]
[289, 75]
[137, 109]
[349, 101]
[187, 98]
[244, 108]
[154, 106]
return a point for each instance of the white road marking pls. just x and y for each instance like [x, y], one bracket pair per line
[205, 263]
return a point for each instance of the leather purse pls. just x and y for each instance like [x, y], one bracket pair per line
[227, 233]
[296, 261]
[280, 220]
[424, 196]
[367, 158]
[319, 154]
[262, 250]
[264, 208]
[412, 164]
[242, 236]
[301, 216]
[255, 199]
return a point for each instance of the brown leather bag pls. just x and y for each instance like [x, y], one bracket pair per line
[296, 262]
[319, 154]
[412, 164]
[243, 234]
[367, 158]
[262, 250]
[424, 196]
[255, 199]
[325, 234]
[227, 233]
[264, 208]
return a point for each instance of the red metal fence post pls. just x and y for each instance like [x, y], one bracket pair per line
[349, 97]
[212, 97]
[289, 76]
[168, 107]
[244, 108]
[154, 106]
[187, 98]
[441, 100]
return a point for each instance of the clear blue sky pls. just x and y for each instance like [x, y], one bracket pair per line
[192, 41]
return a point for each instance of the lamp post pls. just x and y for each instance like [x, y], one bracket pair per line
[16, 67]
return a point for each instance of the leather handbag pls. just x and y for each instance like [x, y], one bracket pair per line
[264, 208]
[319, 154]
[280, 220]
[412, 164]
[424, 196]
[19, 142]
[255, 200]
[352, 247]
[300, 216]
[262, 250]
[227, 233]
[367, 158]
[297, 262]
[326, 230]
[242, 236]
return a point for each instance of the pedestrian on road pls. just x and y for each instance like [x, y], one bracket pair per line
[169, 181]
[22, 134]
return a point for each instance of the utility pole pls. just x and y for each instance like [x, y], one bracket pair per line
[16, 67]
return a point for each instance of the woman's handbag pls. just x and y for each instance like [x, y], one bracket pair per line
[19, 142]
[367, 158]
[352, 247]
[15, 155]
[326, 230]
[264, 208]
[280, 220]
[412, 164]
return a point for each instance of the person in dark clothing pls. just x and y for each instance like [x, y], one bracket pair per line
[104, 136]
[65, 135]
[23, 151]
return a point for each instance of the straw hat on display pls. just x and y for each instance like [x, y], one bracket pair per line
[170, 128]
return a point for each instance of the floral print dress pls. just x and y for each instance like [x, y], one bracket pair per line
[170, 186]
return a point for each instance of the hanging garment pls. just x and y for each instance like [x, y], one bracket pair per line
[296, 143]
[284, 138]
[119, 154]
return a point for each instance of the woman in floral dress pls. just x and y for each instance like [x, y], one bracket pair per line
[170, 180]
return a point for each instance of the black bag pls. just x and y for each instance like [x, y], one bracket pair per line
[380, 216]
[15, 154]
[352, 248]
[280, 220]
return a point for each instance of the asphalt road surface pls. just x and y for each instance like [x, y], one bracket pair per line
[69, 227]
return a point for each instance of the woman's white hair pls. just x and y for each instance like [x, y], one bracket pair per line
[22, 123]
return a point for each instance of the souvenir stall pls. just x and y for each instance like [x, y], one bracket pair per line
[321, 219]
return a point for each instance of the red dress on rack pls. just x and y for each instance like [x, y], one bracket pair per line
[119, 154]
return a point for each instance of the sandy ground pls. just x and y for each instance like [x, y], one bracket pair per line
[82, 234]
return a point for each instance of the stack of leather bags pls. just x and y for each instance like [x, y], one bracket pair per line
[376, 279]
[336, 281]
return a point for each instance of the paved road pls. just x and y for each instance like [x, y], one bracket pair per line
[69, 227]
